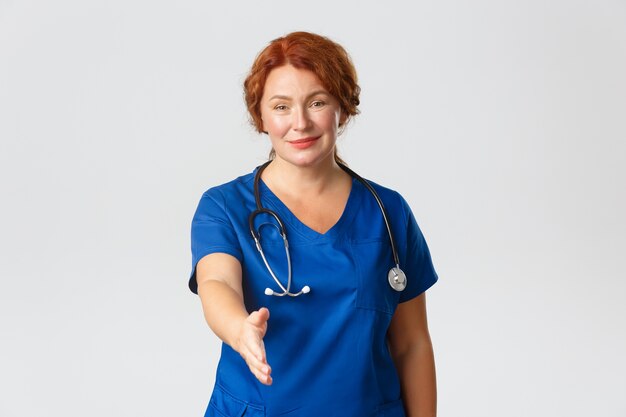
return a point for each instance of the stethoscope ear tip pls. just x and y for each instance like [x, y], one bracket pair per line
[268, 291]
[306, 289]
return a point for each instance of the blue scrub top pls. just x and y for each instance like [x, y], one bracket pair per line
[327, 349]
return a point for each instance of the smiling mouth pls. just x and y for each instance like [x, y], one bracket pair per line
[304, 143]
[304, 140]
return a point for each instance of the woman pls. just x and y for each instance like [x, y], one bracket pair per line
[323, 326]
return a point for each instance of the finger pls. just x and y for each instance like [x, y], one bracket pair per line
[261, 370]
[254, 354]
[254, 344]
[256, 350]
[265, 379]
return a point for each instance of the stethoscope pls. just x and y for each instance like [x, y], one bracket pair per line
[396, 277]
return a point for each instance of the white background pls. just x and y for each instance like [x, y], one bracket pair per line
[503, 123]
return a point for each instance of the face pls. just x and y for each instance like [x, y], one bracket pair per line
[300, 116]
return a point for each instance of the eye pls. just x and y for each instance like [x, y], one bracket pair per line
[318, 103]
[280, 107]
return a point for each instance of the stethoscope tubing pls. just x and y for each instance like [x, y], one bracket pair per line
[394, 251]
[393, 273]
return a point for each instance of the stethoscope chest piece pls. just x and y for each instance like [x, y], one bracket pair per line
[397, 278]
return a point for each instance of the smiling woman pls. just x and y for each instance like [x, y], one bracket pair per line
[317, 54]
[348, 333]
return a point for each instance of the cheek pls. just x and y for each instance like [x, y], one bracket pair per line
[275, 125]
[330, 120]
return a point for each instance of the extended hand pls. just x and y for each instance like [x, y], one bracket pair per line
[251, 347]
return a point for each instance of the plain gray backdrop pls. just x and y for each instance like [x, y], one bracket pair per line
[503, 123]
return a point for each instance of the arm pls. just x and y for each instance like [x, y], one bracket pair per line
[412, 353]
[219, 287]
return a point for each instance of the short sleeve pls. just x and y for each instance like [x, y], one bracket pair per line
[418, 265]
[211, 232]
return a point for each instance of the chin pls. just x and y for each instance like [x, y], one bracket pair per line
[307, 161]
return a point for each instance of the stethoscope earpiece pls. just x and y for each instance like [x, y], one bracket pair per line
[305, 290]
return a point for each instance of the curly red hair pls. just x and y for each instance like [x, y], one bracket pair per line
[303, 50]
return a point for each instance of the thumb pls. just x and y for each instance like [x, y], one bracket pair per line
[259, 317]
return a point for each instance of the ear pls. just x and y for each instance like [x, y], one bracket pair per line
[343, 117]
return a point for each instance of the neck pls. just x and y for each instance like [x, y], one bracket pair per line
[286, 177]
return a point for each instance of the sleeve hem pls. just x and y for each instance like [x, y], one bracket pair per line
[421, 290]
[235, 252]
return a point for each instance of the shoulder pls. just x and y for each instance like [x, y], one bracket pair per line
[231, 188]
[218, 197]
[384, 191]
[392, 199]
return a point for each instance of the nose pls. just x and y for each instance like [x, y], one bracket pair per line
[301, 119]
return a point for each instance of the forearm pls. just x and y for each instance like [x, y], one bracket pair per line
[224, 310]
[416, 369]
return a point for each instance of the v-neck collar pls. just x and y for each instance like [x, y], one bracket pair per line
[294, 224]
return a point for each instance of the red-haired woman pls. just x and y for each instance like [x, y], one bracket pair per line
[313, 277]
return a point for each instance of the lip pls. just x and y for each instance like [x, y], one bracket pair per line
[304, 142]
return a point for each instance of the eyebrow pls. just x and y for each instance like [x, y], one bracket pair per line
[314, 93]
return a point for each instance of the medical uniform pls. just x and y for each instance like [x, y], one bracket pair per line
[327, 348]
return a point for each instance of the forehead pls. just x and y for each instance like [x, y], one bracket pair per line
[289, 80]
